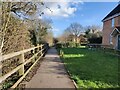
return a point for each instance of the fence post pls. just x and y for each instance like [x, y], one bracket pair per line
[0, 62]
[0, 67]
[37, 48]
[21, 61]
[61, 53]
[41, 49]
[33, 60]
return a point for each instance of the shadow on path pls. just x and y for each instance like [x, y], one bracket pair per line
[51, 73]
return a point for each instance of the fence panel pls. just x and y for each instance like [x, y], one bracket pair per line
[41, 49]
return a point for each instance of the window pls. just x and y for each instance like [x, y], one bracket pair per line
[113, 22]
[110, 40]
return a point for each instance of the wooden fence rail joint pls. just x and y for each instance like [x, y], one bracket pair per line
[38, 50]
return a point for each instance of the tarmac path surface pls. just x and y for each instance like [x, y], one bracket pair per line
[51, 73]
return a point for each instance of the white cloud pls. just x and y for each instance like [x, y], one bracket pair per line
[61, 8]
[56, 31]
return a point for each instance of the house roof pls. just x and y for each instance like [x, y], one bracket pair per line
[116, 10]
[118, 28]
[115, 31]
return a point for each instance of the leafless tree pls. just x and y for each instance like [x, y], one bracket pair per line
[75, 29]
[49, 37]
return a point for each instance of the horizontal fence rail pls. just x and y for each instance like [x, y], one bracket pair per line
[40, 49]
[106, 48]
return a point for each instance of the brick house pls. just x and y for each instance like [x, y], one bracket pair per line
[80, 39]
[111, 28]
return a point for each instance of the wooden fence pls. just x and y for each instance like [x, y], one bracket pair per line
[38, 50]
[105, 48]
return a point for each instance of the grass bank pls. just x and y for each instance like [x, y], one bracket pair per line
[92, 68]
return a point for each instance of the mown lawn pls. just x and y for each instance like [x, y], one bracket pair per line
[92, 68]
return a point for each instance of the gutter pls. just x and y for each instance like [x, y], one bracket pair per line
[118, 14]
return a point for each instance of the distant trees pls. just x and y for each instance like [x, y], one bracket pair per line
[64, 37]
[49, 37]
[39, 30]
[76, 33]
[71, 34]
[44, 30]
[94, 34]
[75, 30]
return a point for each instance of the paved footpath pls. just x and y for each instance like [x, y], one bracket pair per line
[51, 73]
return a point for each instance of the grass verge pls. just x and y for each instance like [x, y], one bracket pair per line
[92, 68]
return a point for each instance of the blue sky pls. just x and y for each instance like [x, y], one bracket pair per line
[86, 13]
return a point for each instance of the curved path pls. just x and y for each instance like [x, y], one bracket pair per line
[51, 73]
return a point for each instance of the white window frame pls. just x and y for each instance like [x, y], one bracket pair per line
[110, 40]
[113, 22]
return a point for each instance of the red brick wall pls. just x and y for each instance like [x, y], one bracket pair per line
[114, 40]
[117, 20]
[107, 29]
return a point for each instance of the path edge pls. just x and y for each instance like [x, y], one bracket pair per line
[75, 85]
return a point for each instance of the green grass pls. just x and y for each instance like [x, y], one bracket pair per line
[91, 68]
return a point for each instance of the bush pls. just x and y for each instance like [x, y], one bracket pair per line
[58, 45]
[95, 40]
[72, 44]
